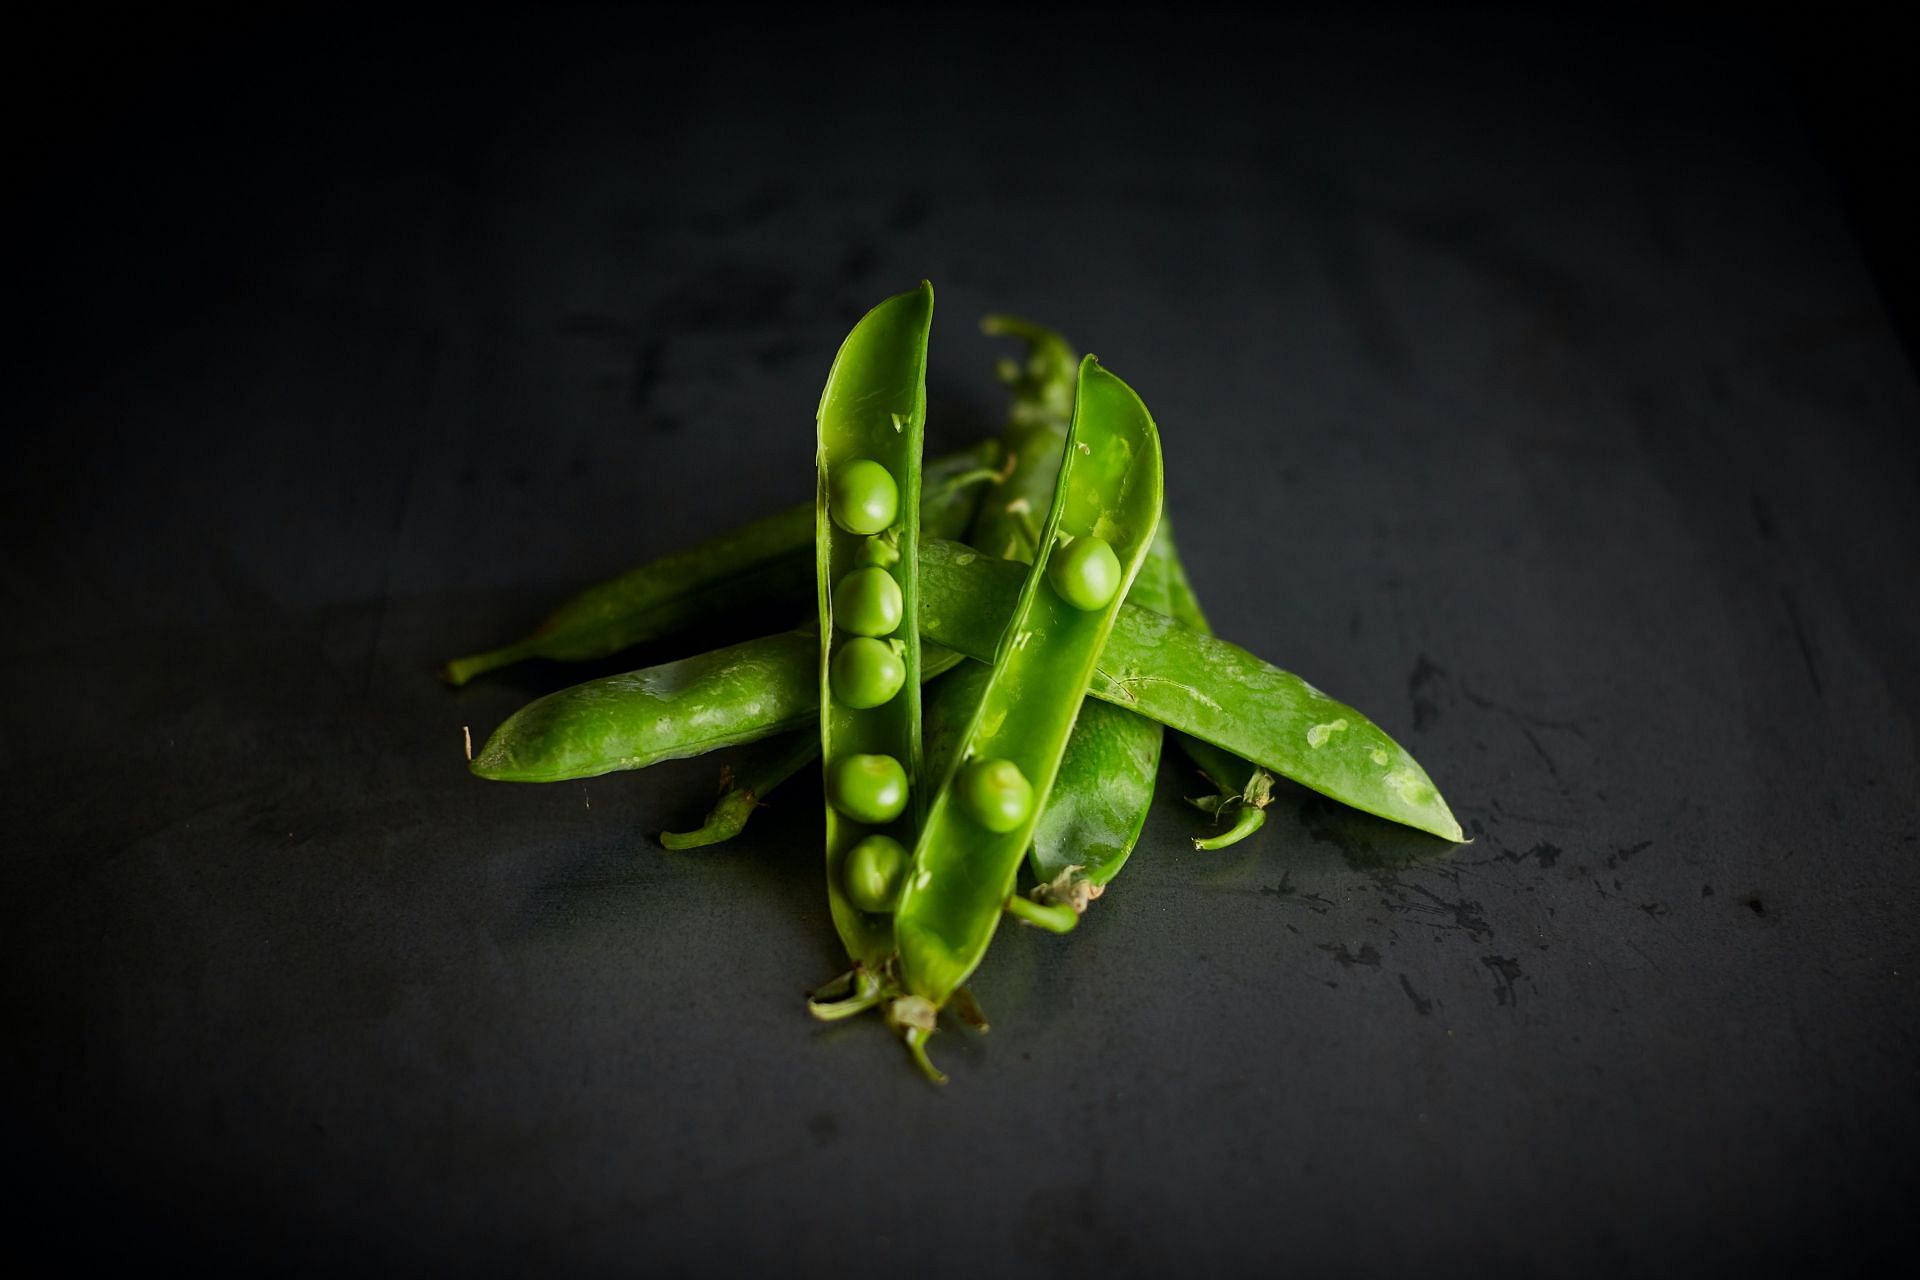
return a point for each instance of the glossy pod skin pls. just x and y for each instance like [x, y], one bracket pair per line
[729, 697]
[761, 570]
[1203, 686]
[1105, 786]
[1104, 789]
[964, 868]
[867, 522]
[1173, 675]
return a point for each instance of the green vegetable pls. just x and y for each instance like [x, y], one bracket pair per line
[872, 414]
[995, 794]
[870, 789]
[1086, 574]
[863, 497]
[962, 876]
[874, 868]
[867, 603]
[866, 673]
[1104, 789]
[1151, 665]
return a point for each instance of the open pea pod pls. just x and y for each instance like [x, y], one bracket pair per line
[866, 541]
[1106, 504]
[1101, 796]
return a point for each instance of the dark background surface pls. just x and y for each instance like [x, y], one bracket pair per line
[1536, 387]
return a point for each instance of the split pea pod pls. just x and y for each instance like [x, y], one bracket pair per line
[762, 570]
[1106, 503]
[1105, 785]
[1181, 678]
[866, 544]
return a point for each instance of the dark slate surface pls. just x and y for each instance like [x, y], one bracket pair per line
[1522, 385]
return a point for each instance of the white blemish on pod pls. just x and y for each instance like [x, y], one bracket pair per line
[1318, 735]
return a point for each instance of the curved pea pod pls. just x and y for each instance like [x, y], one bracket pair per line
[759, 570]
[968, 857]
[867, 531]
[1104, 789]
[1203, 686]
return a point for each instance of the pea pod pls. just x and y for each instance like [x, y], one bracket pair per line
[1104, 789]
[1205, 687]
[760, 570]
[726, 698]
[867, 532]
[1202, 686]
[1107, 498]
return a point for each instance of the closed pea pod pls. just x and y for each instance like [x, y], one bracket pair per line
[964, 869]
[866, 540]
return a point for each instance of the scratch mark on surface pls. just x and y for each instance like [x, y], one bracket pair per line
[1421, 1005]
[1800, 637]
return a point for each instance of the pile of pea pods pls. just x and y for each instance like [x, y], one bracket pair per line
[966, 609]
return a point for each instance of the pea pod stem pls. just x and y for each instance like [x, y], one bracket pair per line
[746, 789]
[1242, 790]
[1247, 820]
[1054, 917]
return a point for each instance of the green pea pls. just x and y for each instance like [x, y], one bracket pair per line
[866, 673]
[1085, 573]
[862, 497]
[874, 870]
[996, 793]
[867, 603]
[869, 789]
